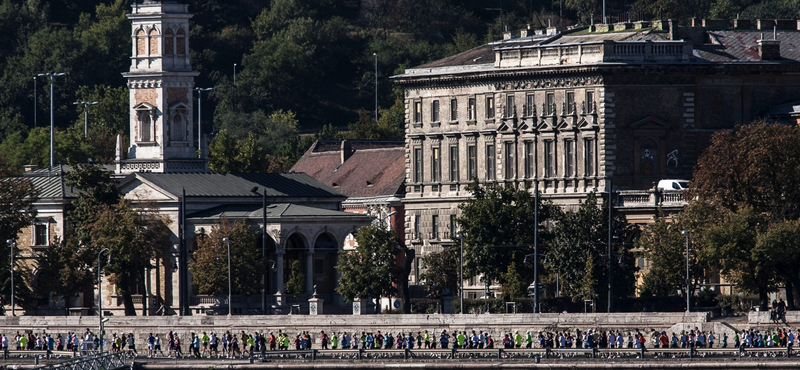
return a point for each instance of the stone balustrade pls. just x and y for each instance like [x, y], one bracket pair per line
[606, 51]
[649, 198]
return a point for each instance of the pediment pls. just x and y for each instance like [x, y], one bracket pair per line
[544, 125]
[584, 124]
[144, 106]
[649, 123]
[565, 125]
[134, 189]
[179, 105]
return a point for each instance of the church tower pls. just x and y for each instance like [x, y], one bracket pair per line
[161, 81]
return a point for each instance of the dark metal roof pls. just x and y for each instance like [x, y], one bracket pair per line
[239, 185]
[274, 211]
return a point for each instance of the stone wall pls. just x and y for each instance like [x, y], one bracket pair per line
[495, 323]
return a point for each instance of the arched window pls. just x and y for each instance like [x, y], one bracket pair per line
[145, 126]
[141, 42]
[153, 40]
[180, 42]
[169, 42]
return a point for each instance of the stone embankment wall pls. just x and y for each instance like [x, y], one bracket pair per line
[492, 323]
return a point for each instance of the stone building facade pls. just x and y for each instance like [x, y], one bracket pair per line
[576, 112]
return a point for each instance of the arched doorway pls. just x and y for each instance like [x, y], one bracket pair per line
[325, 257]
[295, 252]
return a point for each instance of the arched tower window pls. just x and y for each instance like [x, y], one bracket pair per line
[169, 42]
[153, 40]
[146, 126]
[180, 42]
[141, 42]
[178, 122]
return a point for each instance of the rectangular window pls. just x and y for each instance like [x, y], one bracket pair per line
[453, 227]
[528, 159]
[510, 108]
[489, 107]
[435, 111]
[453, 110]
[435, 227]
[435, 165]
[417, 111]
[417, 227]
[590, 101]
[418, 165]
[530, 105]
[549, 159]
[509, 160]
[570, 102]
[471, 109]
[569, 158]
[550, 100]
[454, 163]
[490, 162]
[588, 157]
[472, 157]
[40, 235]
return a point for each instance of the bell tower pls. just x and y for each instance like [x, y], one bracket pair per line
[161, 81]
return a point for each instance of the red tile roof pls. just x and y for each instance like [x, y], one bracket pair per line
[374, 168]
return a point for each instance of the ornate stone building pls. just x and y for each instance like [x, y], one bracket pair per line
[577, 111]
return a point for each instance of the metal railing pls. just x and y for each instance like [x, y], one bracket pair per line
[518, 353]
[106, 361]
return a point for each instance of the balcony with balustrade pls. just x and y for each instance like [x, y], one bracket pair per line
[639, 206]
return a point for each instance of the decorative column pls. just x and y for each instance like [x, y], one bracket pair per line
[309, 271]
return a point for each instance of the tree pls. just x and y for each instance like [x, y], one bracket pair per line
[370, 271]
[440, 273]
[209, 264]
[134, 238]
[295, 285]
[496, 223]
[228, 155]
[579, 253]
[730, 246]
[17, 197]
[66, 270]
[756, 165]
[663, 246]
[779, 249]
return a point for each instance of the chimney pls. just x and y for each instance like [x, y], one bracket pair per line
[508, 35]
[769, 49]
[30, 167]
[523, 33]
[345, 151]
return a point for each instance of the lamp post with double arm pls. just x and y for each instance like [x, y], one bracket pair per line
[100, 294]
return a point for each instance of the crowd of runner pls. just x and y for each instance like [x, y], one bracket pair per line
[242, 344]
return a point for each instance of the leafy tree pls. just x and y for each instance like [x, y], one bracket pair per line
[370, 271]
[65, 269]
[367, 128]
[227, 155]
[756, 165]
[779, 249]
[295, 285]
[731, 248]
[580, 252]
[440, 273]
[209, 264]
[134, 238]
[17, 195]
[663, 246]
[496, 223]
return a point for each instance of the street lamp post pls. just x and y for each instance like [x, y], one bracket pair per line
[387, 219]
[461, 274]
[376, 85]
[536, 246]
[52, 76]
[199, 118]
[230, 301]
[86, 105]
[688, 289]
[100, 294]
[610, 236]
[234, 74]
[11, 244]
[35, 103]
[264, 274]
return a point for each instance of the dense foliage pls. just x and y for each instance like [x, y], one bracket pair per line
[209, 264]
[315, 60]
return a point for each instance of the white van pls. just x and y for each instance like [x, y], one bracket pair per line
[673, 185]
